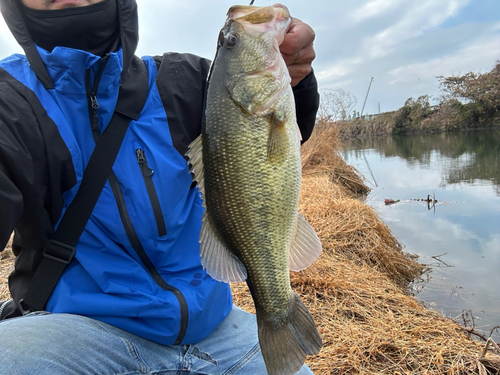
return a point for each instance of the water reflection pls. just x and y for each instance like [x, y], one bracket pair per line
[462, 171]
[465, 158]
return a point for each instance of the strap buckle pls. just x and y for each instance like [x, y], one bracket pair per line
[25, 309]
[59, 252]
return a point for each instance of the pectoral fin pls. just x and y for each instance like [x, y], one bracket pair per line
[277, 142]
[306, 246]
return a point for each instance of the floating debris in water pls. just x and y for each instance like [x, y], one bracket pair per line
[390, 201]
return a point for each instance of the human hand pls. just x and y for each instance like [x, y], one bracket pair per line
[297, 50]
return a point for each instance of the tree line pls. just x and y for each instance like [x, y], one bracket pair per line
[467, 101]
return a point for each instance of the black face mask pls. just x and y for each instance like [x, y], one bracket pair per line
[92, 28]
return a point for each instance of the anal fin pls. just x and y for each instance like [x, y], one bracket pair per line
[306, 245]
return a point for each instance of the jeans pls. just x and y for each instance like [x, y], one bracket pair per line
[44, 343]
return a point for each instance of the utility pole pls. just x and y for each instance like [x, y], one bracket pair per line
[366, 98]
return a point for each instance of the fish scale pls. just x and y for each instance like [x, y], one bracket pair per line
[247, 164]
[262, 189]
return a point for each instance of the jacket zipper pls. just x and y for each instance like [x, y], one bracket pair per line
[147, 175]
[93, 106]
[136, 244]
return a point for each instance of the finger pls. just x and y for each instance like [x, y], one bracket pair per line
[298, 72]
[298, 36]
[304, 56]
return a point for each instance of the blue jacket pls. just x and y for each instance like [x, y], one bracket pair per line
[137, 262]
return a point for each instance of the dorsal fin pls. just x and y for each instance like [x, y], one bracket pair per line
[195, 159]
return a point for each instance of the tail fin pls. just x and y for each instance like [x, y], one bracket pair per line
[286, 341]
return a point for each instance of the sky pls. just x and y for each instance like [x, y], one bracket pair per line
[403, 44]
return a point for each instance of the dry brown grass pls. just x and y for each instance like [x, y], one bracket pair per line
[369, 326]
[358, 293]
[6, 267]
[320, 155]
[350, 228]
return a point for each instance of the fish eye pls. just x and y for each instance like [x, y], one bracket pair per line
[232, 40]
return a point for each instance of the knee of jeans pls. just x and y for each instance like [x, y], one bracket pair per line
[39, 333]
[20, 335]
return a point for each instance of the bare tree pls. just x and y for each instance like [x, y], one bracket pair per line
[335, 105]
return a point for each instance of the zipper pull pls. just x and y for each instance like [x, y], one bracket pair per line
[139, 154]
[94, 103]
[141, 158]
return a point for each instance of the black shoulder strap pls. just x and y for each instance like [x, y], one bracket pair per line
[60, 250]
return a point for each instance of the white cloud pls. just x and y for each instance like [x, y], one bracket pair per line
[463, 60]
[355, 41]
[338, 70]
[373, 9]
[418, 18]
[492, 246]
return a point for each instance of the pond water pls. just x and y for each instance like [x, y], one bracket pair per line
[459, 235]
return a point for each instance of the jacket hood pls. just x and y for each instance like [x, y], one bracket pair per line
[129, 35]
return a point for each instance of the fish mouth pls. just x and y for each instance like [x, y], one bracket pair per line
[261, 19]
[258, 15]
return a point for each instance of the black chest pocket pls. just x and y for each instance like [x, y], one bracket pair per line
[147, 175]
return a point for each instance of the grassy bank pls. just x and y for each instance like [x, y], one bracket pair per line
[359, 291]
[452, 116]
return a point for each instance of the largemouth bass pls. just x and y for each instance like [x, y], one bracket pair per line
[248, 168]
